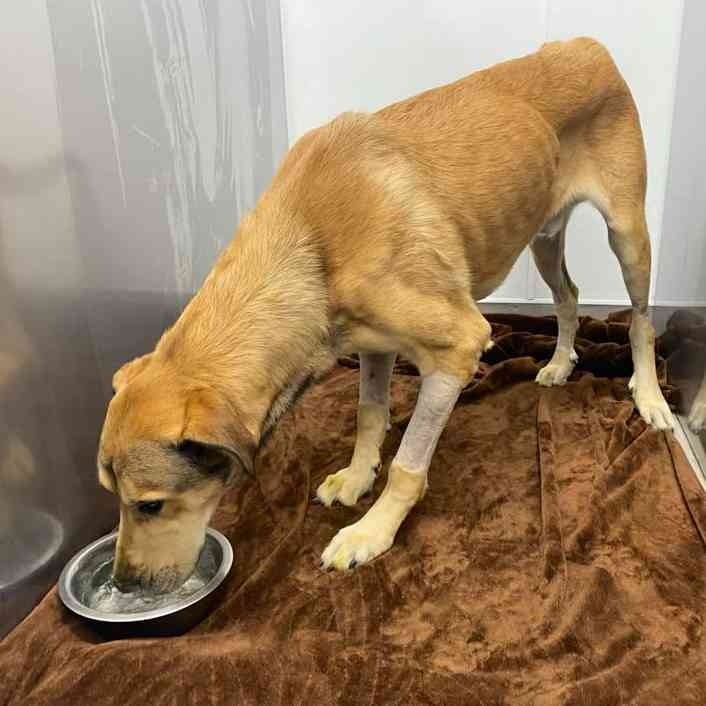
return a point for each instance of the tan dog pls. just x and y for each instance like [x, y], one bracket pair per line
[378, 235]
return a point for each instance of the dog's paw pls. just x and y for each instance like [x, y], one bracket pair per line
[697, 416]
[557, 370]
[347, 486]
[652, 406]
[356, 544]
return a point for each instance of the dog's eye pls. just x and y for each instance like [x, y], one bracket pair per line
[150, 508]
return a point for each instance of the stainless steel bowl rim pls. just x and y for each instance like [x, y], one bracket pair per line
[73, 604]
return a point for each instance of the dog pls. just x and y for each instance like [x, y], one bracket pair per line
[378, 235]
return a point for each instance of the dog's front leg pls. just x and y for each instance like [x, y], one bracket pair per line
[375, 532]
[357, 479]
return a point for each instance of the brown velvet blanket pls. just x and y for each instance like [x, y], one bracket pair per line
[558, 557]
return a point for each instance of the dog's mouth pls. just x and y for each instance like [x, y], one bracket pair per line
[131, 596]
[166, 580]
[142, 577]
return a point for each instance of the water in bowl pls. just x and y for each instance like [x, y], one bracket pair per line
[105, 596]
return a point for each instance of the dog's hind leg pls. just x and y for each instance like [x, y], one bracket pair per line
[548, 252]
[357, 479]
[614, 179]
[630, 242]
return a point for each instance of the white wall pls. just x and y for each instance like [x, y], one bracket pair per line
[361, 56]
[682, 261]
[162, 168]
[35, 203]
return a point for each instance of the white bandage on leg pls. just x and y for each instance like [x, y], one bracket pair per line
[437, 397]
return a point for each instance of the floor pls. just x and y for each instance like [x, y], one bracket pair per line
[691, 443]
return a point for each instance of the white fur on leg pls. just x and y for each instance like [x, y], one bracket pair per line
[349, 484]
[651, 405]
[643, 384]
[548, 252]
[375, 532]
[558, 369]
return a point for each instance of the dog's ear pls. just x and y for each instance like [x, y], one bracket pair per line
[129, 370]
[213, 438]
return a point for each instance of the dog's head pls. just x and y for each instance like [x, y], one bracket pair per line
[170, 447]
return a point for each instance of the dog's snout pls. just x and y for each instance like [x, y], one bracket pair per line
[127, 582]
[126, 578]
[130, 579]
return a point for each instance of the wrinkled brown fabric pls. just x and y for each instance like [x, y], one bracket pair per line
[558, 558]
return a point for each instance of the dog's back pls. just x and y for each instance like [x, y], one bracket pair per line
[483, 162]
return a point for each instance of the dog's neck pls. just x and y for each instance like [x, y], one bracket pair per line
[258, 330]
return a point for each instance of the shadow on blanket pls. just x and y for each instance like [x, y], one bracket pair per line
[558, 558]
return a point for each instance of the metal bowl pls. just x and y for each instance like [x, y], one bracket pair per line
[83, 575]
